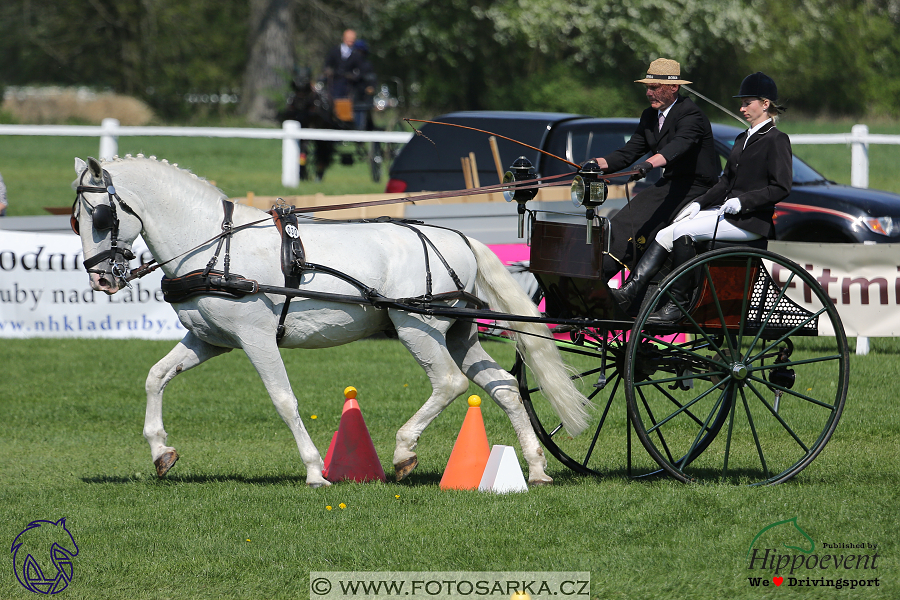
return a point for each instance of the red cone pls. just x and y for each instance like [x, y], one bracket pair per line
[352, 454]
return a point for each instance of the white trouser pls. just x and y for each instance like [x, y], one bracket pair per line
[701, 229]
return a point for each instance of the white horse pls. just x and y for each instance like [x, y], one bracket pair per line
[175, 211]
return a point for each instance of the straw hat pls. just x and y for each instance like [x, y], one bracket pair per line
[663, 70]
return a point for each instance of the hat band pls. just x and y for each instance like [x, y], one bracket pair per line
[666, 77]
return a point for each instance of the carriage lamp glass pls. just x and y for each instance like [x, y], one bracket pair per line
[588, 189]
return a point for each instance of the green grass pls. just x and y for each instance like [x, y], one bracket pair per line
[71, 444]
[38, 171]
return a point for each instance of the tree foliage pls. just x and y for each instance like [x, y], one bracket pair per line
[828, 56]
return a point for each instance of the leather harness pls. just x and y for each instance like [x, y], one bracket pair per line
[211, 282]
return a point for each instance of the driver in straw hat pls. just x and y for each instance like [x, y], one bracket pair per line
[673, 133]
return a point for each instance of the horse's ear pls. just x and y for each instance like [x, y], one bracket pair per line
[80, 166]
[94, 166]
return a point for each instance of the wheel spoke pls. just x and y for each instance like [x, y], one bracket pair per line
[715, 348]
[679, 405]
[718, 305]
[794, 363]
[687, 405]
[791, 392]
[787, 335]
[778, 417]
[659, 434]
[728, 438]
[762, 459]
[686, 459]
[746, 301]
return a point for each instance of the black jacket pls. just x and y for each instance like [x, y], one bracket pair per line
[759, 175]
[686, 141]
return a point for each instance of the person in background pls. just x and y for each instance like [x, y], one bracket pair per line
[365, 83]
[3, 202]
[338, 65]
[738, 208]
[678, 137]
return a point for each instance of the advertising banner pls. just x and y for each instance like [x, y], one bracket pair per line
[862, 280]
[44, 292]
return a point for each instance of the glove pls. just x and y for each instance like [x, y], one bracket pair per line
[732, 206]
[688, 212]
[642, 170]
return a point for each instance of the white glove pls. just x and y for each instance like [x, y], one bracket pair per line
[688, 212]
[732, 206]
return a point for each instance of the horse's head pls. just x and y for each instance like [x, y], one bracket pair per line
[106, 224]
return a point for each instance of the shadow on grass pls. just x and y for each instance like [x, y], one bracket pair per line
[211, 478]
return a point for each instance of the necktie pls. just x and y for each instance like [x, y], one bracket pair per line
[662, 118]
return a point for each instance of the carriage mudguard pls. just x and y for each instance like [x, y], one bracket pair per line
[197, 283]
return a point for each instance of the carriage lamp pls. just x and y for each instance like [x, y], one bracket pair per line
[521, 170]
[589, 190]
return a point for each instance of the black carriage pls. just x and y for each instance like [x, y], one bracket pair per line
[746, 385]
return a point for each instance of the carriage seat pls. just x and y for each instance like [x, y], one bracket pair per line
[758, 244]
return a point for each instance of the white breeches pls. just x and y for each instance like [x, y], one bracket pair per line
[701, 229]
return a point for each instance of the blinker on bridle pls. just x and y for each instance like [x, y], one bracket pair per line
[104, 218]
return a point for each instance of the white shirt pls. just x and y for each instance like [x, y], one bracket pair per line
[754, 129]
[346, 51]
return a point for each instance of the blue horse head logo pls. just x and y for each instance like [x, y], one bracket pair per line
[42, 556]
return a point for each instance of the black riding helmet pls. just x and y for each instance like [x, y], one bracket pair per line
[758, 85]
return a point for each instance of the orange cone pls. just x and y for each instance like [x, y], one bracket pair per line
[470, 452]
[352, 454]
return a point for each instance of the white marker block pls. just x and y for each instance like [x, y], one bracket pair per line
[502, 473]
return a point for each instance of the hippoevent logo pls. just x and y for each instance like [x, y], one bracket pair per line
[784, 554]
[42, 556]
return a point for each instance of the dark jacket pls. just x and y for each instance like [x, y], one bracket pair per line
[759, 175]
[686, 141]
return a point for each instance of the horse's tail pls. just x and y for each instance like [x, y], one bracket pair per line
[498, 288]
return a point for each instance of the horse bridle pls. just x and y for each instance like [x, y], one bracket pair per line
[105, 218]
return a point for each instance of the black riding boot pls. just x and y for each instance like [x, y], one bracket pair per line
[682, 289]
[649, 265]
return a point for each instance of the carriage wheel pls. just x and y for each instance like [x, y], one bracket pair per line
[751, 352]
[601, 381]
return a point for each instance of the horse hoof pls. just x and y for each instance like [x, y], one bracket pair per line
[165, 462]
[318, 484]
[545, 480]
[402, 469]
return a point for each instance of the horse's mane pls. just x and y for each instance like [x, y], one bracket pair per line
[170, 168]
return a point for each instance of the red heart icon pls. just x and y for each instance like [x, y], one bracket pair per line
[777, 580]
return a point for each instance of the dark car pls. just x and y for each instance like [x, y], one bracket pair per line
[817, 210]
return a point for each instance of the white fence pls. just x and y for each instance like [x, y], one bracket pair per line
[110, 131]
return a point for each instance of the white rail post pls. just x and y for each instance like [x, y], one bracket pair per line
[859, 177]
[859, 157]
[109, 141]
[290, 155]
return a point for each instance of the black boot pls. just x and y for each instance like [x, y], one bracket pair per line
[682, 289]
[649, 265]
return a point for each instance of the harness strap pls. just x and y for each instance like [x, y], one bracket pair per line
[227, 232]
[293, 257]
